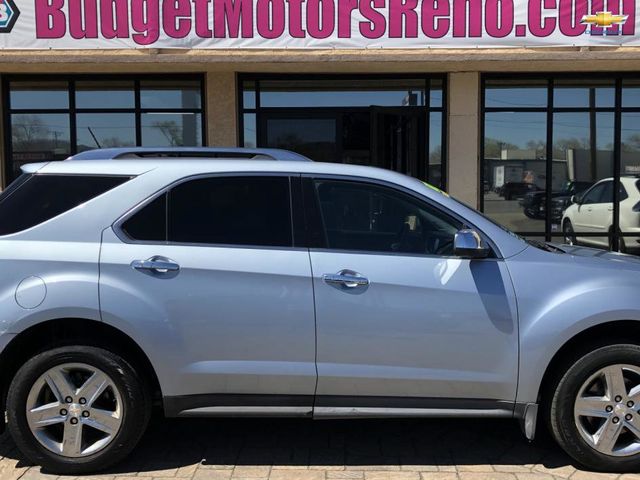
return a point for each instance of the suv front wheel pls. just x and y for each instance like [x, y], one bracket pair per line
[77, 409]
[595, 409]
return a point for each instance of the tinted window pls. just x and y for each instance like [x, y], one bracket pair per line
[594, 195]
[374, 218]
[42, 197]
[607, 194]
[150, 223]
[231, 210]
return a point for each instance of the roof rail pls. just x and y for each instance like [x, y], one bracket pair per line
[130, 153]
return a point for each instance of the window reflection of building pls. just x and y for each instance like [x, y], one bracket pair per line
[548, 140]
[394, 123]
[56, 117]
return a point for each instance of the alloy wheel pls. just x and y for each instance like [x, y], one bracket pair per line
[74, 410]
[606, 410]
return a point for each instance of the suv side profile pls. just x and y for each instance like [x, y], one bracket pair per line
[249, 287]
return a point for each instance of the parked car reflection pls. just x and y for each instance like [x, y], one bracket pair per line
[592, 213]
[535, 205]
[514, 190]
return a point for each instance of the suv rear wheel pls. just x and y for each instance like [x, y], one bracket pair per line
[595, 410]
[77, 409]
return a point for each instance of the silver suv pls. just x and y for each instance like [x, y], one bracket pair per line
[230, 287]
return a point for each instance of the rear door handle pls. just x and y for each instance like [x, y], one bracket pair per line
[345, 279]
[156, 264]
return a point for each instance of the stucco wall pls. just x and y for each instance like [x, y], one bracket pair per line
[463, 136]
[221, 109]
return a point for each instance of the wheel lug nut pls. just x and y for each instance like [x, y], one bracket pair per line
[629, 404]
[85, 414]
[615, 420]
[628, 416]
[83, 401]
[68, 400]
[63, 412]
[74, 421]
[609, 409]
[618, 398]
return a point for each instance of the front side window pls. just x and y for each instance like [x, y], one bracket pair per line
[39, 198]
[594, 195]
[250, 211]
[373, 218]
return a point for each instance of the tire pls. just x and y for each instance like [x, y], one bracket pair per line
[123, 408]
[569, 234]
[589, 413]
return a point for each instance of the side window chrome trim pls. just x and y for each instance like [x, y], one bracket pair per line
[122, 236]
[374, 181]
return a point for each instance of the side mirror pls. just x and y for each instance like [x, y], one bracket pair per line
[576, 199]
[468, 244]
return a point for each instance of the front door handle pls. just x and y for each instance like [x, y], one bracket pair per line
[346, 279]
[156, 264]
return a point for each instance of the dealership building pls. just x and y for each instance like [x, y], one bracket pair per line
[487, 99]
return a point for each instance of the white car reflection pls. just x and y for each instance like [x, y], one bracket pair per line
[592, 213]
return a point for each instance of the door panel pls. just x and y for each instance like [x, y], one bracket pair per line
[424, 327]
[232, 321]
[206, 276]
[593, 215]
[397, 314]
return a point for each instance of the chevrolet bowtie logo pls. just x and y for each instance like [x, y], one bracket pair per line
[604, 19]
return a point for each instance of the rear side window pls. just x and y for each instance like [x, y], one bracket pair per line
[150, 223]
[38, 198]
[251, 211]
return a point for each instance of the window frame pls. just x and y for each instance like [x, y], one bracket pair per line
[550, 78]
[72, 111]
[315, 226]
[294, 217]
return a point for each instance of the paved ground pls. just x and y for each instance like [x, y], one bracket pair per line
[325, 450]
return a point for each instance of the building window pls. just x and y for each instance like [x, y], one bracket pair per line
[551, 144]
[52, 118]
[395, 122]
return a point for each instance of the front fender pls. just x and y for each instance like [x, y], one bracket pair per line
[558, 298]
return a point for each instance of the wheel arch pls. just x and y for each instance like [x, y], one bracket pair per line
[619, 331]
[74, 331]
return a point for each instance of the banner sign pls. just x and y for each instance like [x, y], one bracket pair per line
[280, 24]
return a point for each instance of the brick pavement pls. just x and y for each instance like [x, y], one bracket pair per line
[242, 449]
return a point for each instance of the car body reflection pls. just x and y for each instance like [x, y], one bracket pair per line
[592, 213]
[535, 205]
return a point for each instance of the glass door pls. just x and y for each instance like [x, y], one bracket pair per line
[399, 140]
[385, 137]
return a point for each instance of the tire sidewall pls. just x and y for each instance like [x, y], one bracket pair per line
[135, 408]
[562, 419]
[568, 232]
